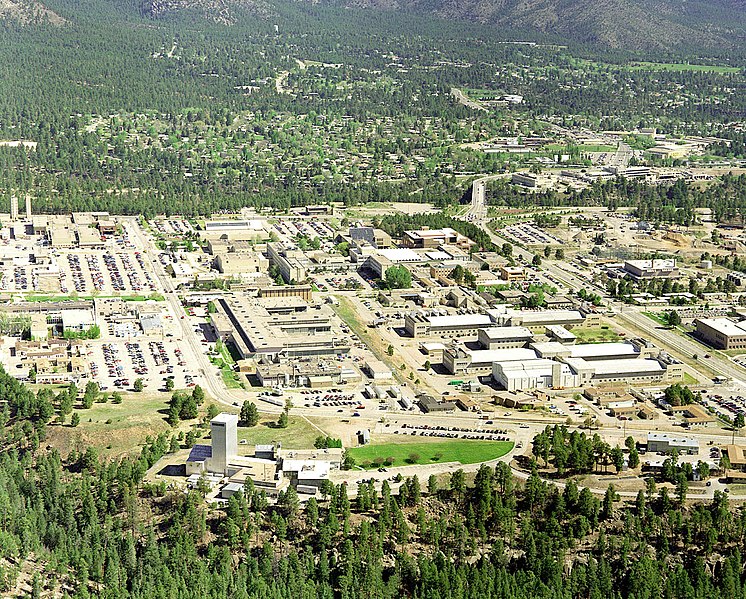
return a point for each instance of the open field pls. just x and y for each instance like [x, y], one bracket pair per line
[114, 429]
[428, 452]
[680, 67]
[299, 434]
[595, 334]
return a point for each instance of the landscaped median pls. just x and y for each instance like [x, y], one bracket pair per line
[429, 452]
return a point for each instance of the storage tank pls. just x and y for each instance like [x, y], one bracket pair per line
[706, 264]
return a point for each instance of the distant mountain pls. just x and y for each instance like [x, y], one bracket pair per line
[628, 24]
[220, 11]
[28, 11]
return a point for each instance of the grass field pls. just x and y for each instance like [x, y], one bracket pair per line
[429, 452]
[657, 317]
[679, 67]
[230, 378]
[114, 429]
[299, 434]
[595, 334]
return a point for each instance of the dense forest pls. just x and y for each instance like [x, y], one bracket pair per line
[88, 527]
[668, 203]
[136, 115]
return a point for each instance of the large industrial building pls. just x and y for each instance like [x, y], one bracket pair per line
[722, 333]
[270, 468]
[290, 262]
[433, 238]
[419, 324]
[651, 269]
[533, 374]
[504, 337]
[665, 443]
[275, 327]
[555, 365]
[457, 360]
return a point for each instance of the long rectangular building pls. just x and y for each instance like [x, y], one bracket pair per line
[255, 330]
[722, 333]
[417, 324]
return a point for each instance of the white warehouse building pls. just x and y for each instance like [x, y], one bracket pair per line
[533, 374]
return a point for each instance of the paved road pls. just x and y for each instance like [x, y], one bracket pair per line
[211, 377]
[463, 99]
[684, 345]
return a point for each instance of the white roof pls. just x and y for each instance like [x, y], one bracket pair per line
[550, 347]
[658, 264]
[506, 332]
[689, 441]
[306, 469]
[77, 316]
[401, 255]
[588, 350]
[456, 320]
[559, 331]
[225, 418]
[621, 367]
[725, 326]
[536, 367]
[547, 315]
[502, 355]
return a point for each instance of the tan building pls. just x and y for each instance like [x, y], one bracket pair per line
[722, 333]
[236, 264]
[433, 238]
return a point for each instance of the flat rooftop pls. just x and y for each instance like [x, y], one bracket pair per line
[725, 326]
[546, 315]
[535, 367]
[686, 441]
[592, 350]
[621, 367]
[401, 255]
[225, 418]
[460, 320]
[501, 355]
[507, 333]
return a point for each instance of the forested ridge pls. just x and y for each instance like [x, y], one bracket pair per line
[676, 203]
[138, 115]
[87, 527]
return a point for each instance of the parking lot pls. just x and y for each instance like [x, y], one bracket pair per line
[117, 364]
[530, 235]
[726, 405]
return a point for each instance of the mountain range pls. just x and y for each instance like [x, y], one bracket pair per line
[647, 25]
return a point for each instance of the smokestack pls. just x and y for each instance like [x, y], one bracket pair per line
[14, 208]
[28, 208]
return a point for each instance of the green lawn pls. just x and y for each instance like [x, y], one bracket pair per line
[595, 334]
[298, 435]
[430, 452]
[657, 317]
[689, 379]
[230, 378]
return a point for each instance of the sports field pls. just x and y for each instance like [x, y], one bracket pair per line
[429, 452]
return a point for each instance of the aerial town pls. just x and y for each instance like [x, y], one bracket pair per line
[377, 341]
